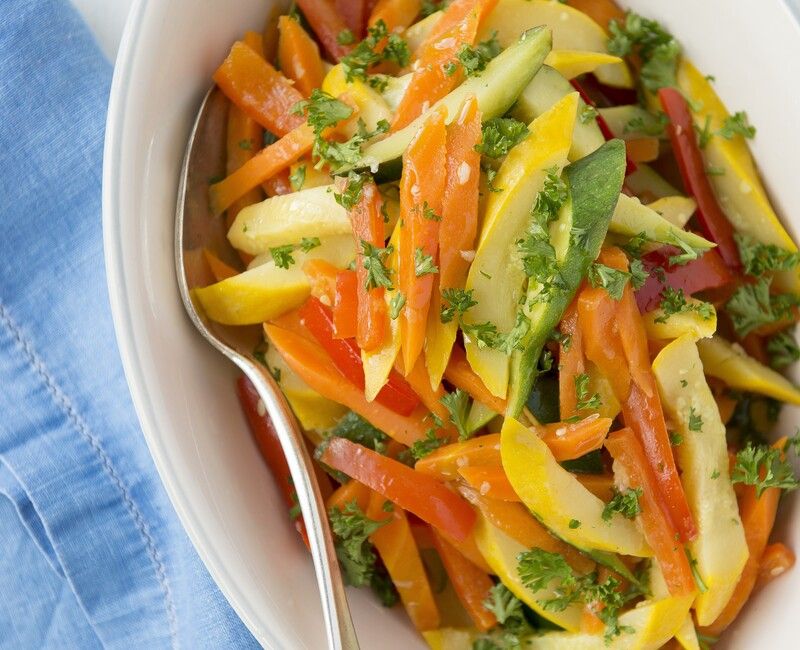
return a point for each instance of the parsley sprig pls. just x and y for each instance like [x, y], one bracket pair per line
[763, 467]
[625, 503]
[457, 404]
[500, 135]
[674, 302]
[368, 53]
[585, 400]
[352, 528]
[283, 255]
[456, 303]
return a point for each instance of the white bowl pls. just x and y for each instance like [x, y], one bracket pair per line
[183, 390]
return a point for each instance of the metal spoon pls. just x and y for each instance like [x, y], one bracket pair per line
[196, 228]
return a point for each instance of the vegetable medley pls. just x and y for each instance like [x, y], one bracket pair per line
[524, 290]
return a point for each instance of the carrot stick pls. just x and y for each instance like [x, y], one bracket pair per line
[571, 362]
[446, 461]
[350, 491]
[489, 481]
[418, 379]
[397, 14]
[398, 550]
[368, 227]
[220, 270]
[278, 184]
[758, 518]
[461, 375]
[455, 14]
[259, 90]
[345, 305]
[776, 560]
[600, 11]
[322, 277]
[244, 137]
[657, 527]
[255, 41]
[421, 189]
[472, 585]
[642, 150]
[298, 56]
[268, 162]
[327, 24]
[570, 440]
[354, 13]
[598, 484]
[310, 361]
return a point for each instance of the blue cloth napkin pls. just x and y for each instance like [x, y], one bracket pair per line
[91, 552]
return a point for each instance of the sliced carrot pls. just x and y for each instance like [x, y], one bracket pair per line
[472, 586]
[600, 11]
[244, 137]
[352, 491]
[278, 184]
[396, 14]
[571, 362]
[265, 164]
[255, 41]
[310, 361]
[570, 440]
[259, 90]
[758, 518]
[220, 270]
[446, 461]
[776, 560]
[601, 485]
[322, 276]
[590, 623]
[414, 491]
[490, 481]
[455, 14]
[461, 375]
[398, 550]
[345, 305]
[657, 526]
[355, 14]
[642, 150]
[421, 189]
[327, 24]
[298, 56]
[368, 228]
[432, 399]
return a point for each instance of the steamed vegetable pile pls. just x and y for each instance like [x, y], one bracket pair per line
[523, 288]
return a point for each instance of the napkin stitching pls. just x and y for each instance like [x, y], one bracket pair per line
[62, 400]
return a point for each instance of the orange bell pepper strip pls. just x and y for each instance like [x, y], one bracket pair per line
[776, 560]
[327, 24]
[352, 491]
[570, 440]
[270, 448]
[461, 375]
[396, 14]
[468, 548]
[421, 189]
[259, 90]
[322, 277]
[345, 305]
[414, 491]
[298, 56]
[758, 518]
[444, 463]
[368, 227]
[398, 550]
[310, 361]
[490, 481]
[265, 164]
[571, 362]
[472, 586]
[219, 269]
[657, 526]
[516, 522]
[600, 11]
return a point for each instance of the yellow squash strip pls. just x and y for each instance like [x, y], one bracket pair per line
[675, 209]
[739, 190]
[572, 30]
[683, 323]
[372, 108]
[731, 364]
[557, 498]
[573, 63]
[720, 548]
[495, 278]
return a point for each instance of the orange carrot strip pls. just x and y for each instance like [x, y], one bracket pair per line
[570, 440]
[368, 228]
[776, 560]
[642, 150]
[220, 270]
[259, 90]
[600, 11]
[327, 24]
[489, 481]
[398, 550]
[601, 485]
[758, 518]
[345, 305]
[298, 56]
[461, 375]
[278, 184]
[350, 491]
[310, 361]
[322, 276]
[255, 41]
[571, 363]
[472, 585]
[468, 547]
[354, 13]
[421, 189]
[455, 14]
[657, 527]
[244, 138]
[397, 14]
[419, 381]
[446, 461]
[266, 163]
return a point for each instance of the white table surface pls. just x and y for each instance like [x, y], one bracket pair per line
[106, 19]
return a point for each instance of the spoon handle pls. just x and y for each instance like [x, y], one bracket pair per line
[338, 622]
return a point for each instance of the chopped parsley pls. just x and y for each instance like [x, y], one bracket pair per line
[695, 420]
[309, 243]
[423, 264]
[282, 256]
[759, 259]
[457, 404]
[351, 194]
[352, 528]
[652, 125]
[675, 438]
[456, 303]
[752, 306]
[574, 523]
[485, 335]
[705, 134]
[368, 52]
[737, 124]
[500, 135]
[782, 349]
[474, 59]
[612, 280]
[428, 212]
[297, 178]
[422, 448]
[345, 37]
[636, 245]
[689, 254]
[585, 401]
[246, 144]
[356, 429]
[396, 305]
[674, 302]
[587, 113]
[763, 467]
[377, 273]
[625, 503]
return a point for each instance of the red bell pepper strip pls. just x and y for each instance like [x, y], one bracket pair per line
[345, 305]
[714, 223]
[414, 491]
[706, 272]
[327, 24]
[355, 14]
[656, 524]
[270, 448]
[372, 321]
[318, 319]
